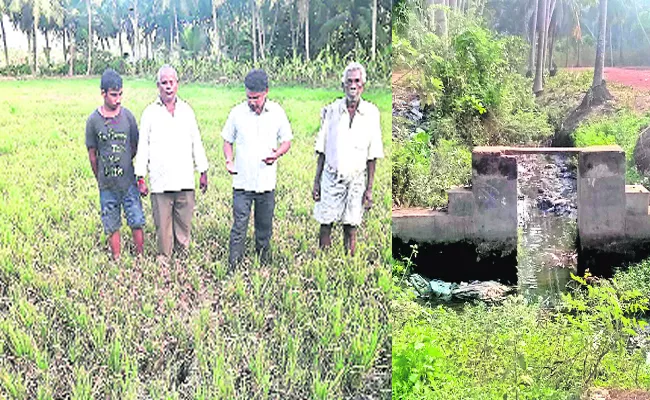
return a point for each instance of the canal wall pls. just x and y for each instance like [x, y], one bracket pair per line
[612, 218]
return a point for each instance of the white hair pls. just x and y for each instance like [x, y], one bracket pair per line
[164, 68]
[353, 66]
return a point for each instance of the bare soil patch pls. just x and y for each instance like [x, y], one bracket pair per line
[617, 394]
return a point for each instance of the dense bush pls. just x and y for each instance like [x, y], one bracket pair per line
[422, 171]
[473, 94]
[622, 129]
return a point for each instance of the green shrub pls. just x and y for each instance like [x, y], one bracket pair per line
[15, 70]
[518, 349]
[622, 129]
[422, 172]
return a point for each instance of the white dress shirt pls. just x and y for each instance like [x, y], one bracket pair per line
[348, 148]
[255, 137]
[169, 147]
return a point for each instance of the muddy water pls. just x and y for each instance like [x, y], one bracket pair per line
[547, 224]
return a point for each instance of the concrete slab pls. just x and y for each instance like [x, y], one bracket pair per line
[637, 227]
[601, 195]
[636, 200]
[432, 227]
[495, 207]
[461, 201]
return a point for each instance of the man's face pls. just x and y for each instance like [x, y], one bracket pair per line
[168, 86]
[353, 86]
[112, 98]
[256, 100]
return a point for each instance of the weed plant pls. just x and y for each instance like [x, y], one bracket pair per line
[595, 337]
[74, 324]
[324, 69]
[473, 94]
[623, 129]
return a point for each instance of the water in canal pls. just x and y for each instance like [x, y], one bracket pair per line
[547, 224]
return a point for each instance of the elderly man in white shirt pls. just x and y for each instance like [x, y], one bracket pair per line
[170, 148]
[347, 145]
[255, 127]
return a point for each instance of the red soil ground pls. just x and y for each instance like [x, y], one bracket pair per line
[635, 77]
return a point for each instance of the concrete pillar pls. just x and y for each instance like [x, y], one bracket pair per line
[601, 195]
[494, 185]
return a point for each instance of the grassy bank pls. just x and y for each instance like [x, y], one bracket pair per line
[593, 338]
[75, 325]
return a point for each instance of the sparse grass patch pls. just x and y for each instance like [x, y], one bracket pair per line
[75, 325]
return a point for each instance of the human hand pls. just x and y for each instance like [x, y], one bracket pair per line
[315, 194]
[142, 188]
[367, 199]
[230, 167]
[271, 159]
[203, 182]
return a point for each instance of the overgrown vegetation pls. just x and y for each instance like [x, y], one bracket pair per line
[473, 94]
[323, 70]
[73, 324]
[623, 129]
[594, 337]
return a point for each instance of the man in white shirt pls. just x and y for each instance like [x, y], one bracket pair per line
[347, 145]
[170, 148]
[255, 127]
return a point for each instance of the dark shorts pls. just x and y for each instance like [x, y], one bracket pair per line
[112, 202]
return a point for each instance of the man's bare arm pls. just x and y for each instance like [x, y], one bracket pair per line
[367, 196]
[320, 163]
[227, 152]
[92, 156]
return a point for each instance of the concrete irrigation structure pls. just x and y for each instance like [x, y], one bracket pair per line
[613, 218]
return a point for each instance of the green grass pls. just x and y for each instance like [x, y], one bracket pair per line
[73, 324]
[623, 129]
[518, 349]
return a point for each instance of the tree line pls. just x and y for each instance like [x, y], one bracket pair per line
[546, 25]
[237, 30]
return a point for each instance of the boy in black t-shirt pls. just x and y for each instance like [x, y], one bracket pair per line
[112, 141]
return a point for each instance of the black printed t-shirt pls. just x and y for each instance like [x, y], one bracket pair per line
[116, 140]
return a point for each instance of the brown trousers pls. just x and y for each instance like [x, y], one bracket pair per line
[172, 215]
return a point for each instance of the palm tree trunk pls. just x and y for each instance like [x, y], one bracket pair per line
[260, 34]
[4, 39]
[275, 24]
[539, 66]
[72, 54]
[47, 47]
[177, 31]
[374, 30]
[600, 47]
[119, 43]
[136, 31]
[611, 48]
[533, 31]
[307, 30]
[65, 49]
[171, 36]
[294, 46]
[36, 13]
[621, 61]
[90, 38]
[216, 46]
[579, 48]
[253, 36]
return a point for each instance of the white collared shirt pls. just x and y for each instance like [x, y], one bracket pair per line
[169, 147]
[348, 148]
[255, 137]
